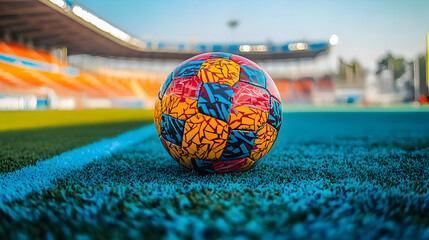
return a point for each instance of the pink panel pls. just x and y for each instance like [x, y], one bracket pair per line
[229, 166]
[271, 86]
[250, 96]
[243, 61]
[184, 87]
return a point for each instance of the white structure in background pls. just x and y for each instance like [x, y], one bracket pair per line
[381, 89]
[405, 83]
[62, 103]
[385, 89]
[349, 95]
[57, 103]
[93, 103]
[323, 96]
[13, 102]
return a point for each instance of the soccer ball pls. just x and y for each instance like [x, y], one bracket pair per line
[217, 113]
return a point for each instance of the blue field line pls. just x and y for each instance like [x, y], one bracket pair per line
[16, 185]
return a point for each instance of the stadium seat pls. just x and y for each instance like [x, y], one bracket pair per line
[104, 84]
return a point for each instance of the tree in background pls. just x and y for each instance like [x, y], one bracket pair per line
[392, 63]
[352, 72]
[396, 75]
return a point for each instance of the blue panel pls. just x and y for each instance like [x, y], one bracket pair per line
[7, 59]
[172, 129]
[220, 55]
[239, 145]
[318, 46]
[275, 115]
[203, 48]
[253, 76]
[285, 48]
[217, 48]
[202, 166]
[71, 71]
[215, 100]
[181, 47]
[188, 69]
[233, 48]
[68, 3]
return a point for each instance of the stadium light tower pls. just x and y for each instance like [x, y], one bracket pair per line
[233, 25]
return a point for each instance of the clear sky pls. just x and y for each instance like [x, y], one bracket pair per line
[367, 29]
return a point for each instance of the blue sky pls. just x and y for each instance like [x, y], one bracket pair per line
[367, 29]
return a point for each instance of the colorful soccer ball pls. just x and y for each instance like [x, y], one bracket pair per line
[218, 112]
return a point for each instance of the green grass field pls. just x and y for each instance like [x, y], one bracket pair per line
[39, 119]
[28, 137]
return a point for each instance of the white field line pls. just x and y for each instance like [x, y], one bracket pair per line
[35, 178]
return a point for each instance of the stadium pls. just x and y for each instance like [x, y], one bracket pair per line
[81, 122]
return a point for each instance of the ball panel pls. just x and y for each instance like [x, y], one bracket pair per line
[275, 115]
[172, 129]
[210, 55]
[243, 61]
[164, 143]
[220, 55]
[253, 76]
[229, 166]
[164, 86]
[204, 137]
[179, 107]
[219, 70]
[157, 116]
[248, 165]
[184, 87]
[178, 154]
[266, 136]
[215, 100]
[198, 57]
[250, 96]
[202, 166]
[238, 145]
[271, 87]
[187, 69]
[245, 118]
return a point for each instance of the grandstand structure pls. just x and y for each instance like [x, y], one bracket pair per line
[37, 36]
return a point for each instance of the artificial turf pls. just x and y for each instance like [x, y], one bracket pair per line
[329, 175]
[21, 148]
[30, 136]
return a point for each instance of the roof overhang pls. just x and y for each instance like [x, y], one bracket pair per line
[53, 26]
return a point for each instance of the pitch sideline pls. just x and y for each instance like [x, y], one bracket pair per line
[34, 178]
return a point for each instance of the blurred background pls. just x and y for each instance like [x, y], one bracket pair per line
[65, 55]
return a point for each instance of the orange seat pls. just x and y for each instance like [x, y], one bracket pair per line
[92, 85]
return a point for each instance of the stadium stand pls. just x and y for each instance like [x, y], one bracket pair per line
[21, 51]
[32, 29]
[26, 71]
[29, 18]
[293, 91]
[306, 89]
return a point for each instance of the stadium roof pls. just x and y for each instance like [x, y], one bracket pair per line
[59, 23]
